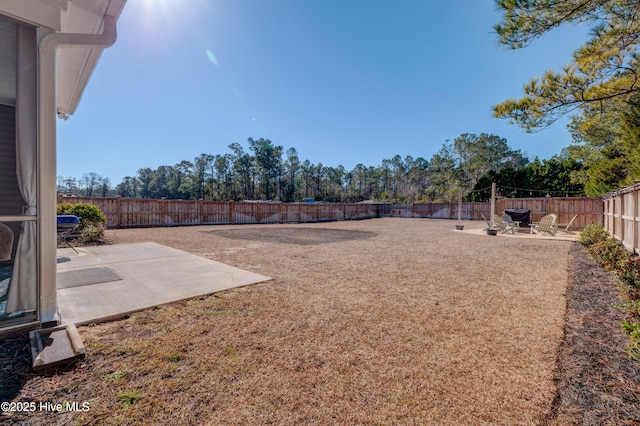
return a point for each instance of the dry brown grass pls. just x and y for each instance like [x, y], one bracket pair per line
[408, 322]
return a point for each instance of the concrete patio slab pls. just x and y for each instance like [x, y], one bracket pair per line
[525, 234]
[144, 275]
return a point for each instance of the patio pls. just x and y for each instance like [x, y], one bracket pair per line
[524, 233]
[107, 282]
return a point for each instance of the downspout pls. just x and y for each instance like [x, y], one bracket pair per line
[46, 162]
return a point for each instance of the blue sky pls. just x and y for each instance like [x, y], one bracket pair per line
[343, 82]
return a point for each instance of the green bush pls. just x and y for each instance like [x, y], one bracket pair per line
[88, 214]
[92, 220]
[629, 272]
[92, 233]
[633, 330]
[592, 234]
[609, 253]
[631, 307]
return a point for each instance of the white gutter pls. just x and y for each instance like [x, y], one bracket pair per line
[53, 41]
[48, 306]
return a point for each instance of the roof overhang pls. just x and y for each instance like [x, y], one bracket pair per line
[39, 13]
[74, 66]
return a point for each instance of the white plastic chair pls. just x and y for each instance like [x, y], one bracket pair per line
[547, 225]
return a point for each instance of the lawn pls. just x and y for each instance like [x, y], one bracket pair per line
[384, 321]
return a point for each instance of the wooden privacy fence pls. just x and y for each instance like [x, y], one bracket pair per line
[136, 212]
[587, 210]
[470, 210]
[621, 215]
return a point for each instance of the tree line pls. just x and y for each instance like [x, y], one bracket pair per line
[598, 87]
[266, 171]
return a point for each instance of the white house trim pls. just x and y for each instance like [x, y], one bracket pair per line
[47, 156]
[70, 37]
[39, 13]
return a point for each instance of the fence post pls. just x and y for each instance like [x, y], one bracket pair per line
[117, 215]
[621, 214]
[634, 222]
[610, 216]
[546, 205]
[493, 204]
[613, 212]
[163, 211]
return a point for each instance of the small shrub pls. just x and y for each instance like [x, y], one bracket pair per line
[633, 330]
[92, 233]
[95, 345]
[592, 234]
[92, 220]
[631, 307]
[127, 399]
[629, 272]
[117, 375]
[611, 255]
[608, 253]
[88, 214]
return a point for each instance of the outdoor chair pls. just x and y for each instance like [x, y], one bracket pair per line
[6, 242]
[547, 225]
[487, 221]
[565, 228]
[503, 226]
[506, 218]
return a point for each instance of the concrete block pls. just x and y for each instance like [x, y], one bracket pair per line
[55, 345]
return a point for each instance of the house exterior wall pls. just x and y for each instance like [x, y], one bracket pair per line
[11, 201]
[38, 13]
[19, 112]
[57, 26]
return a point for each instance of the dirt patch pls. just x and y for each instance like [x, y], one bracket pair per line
[294, 235]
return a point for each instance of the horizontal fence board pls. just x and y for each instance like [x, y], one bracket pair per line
[132, 213]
